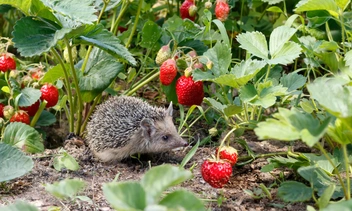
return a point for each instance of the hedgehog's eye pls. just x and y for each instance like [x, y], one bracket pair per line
[165, 138]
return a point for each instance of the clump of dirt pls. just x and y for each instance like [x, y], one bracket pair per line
[232, 197]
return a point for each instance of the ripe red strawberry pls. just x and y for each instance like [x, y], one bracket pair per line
[20, 116]
[50, 94]
[7, 62]
[189, 92]
[184, 10]
[168, 72]
[2, 110]
[163, 54]
[216, 172]
[222, 10]
[31, 110]
[228, 154]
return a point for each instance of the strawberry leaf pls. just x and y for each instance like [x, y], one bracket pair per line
[101, 70]
[46, 118]
[328, 5]
[293, 81]
[19, 206]
[255, 43]
[290, 125]
[13, 162]
[125, 195]
[220, 56]
[264, 95]
[33, 37]
[292, 191]
[28, 97]
[159, 178]
[184, 199]
[55, 73]
[67, 188]
[24, 137]
[105, 40]
[151, 33]
[72, 13]
[336, 97]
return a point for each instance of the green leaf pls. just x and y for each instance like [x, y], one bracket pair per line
[189, 155]
[159, 178]
[342, 4]
[55, 73]
[292, 191]
[29, 96]
[309, 5]
[316, 176]
[220, 55]
[67, 188]
[317, 18]
[23, 5]
[239, 75]
[101, 70]
[13, 163]
[273, 1]
[293, 81]
[125, 195]
[340, 131]
[32, 37]
[348, 59]
[98, 36]
[265, 95]
[340, 206]
[255, 43]
[72, 13]
[46, 118]
[65, 160]
[19, 206]
[325, 198]
[24, 137]
[336, 97]
[289, 125]
[151, 33]
[184, 199]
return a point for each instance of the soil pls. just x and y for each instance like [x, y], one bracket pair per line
[232, 197]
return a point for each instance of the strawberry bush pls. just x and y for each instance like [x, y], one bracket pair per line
[281, 69]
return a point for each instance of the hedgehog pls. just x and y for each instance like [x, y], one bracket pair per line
[123, 126]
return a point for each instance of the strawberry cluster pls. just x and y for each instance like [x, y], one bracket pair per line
[217, 171]
[10, 110]
[189, 92]
[189, 9]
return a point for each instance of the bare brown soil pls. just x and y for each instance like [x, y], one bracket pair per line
[232, 197]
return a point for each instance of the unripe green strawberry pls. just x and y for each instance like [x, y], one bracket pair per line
[188, 91]
[50, 94]
[21, 116]
[7, 62]
[168, 72]
[163, 54]
[74, 54]
[192, 11]
[184, 10]
[208, 5]
[228, 154]
[216, 173]
[222, 10]
[8, 111]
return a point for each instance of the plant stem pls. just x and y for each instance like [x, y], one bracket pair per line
[267, 73]
[75, 82]
[68, 88]
[37, 115]
[321, 148]
[142, 84]
[347, 167]
[97, 99]
[122, 12]
[135, 24]
[248, 157]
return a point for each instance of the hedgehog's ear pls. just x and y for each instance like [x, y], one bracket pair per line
[148, 127]
[169, 110]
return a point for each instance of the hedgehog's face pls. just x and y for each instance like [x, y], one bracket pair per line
[161, 135]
